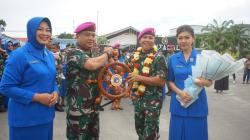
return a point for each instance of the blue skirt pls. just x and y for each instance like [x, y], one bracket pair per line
[39, 132]
[188, 128]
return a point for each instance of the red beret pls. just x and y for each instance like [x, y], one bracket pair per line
[87, 26]
[145, 31]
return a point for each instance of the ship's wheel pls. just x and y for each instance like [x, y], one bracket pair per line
[112, 80]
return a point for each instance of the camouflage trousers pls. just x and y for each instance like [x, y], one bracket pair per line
[85, 127]
[147, 113]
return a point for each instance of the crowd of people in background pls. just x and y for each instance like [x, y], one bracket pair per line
[39, 78]
[5, 51]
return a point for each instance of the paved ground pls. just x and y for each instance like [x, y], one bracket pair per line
[229, 117]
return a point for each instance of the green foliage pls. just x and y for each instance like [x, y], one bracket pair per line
[2, 24]
[65, 36]
[101, 40]
[198, 41]
[225, 37]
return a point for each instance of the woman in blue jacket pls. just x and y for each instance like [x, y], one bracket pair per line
[29, 81]
[186, 123]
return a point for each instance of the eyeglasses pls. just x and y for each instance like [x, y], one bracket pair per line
[10, 44]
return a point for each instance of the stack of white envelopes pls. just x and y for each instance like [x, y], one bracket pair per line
[209, 65]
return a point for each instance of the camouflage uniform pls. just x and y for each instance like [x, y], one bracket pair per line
[82, 117]
[2, 61]
[147, 108]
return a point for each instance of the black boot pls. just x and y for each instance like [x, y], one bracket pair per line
[100, 108]
[58, 107]
[2, 109]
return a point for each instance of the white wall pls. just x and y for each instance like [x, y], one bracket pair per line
[197, 30]
[124, 39]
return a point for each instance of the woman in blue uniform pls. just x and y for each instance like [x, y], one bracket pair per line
[29, 81]
[186, 123]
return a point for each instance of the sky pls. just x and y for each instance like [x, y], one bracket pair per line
[112, 15]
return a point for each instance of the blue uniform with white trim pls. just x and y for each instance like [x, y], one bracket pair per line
[29, 70]
[186, 123]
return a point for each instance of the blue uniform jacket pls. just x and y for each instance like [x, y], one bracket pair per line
[29, 70]
[178, 71]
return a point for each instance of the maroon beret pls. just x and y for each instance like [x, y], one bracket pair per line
[87, 26]
[145, 31]
[116, 46]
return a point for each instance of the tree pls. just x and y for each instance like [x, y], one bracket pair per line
[102, 40]
[2, 28]
[199, 41]
[65, 36]
[218, 37]
[241, 41]
[226, 37]
[2, 24]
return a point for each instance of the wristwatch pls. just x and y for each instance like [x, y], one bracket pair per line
[109, 54]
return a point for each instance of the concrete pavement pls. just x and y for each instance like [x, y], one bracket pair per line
[229, 117]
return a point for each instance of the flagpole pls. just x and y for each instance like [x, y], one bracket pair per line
[97, 22]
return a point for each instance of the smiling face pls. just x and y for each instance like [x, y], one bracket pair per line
[185, 40]
[43, 33]
[86, 39]
[147, 42]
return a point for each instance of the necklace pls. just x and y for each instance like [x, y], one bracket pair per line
[140, 88]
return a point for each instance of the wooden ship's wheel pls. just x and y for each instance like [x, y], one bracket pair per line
[112, 79]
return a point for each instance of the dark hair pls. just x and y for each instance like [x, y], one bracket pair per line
[68, 45]
[185, 28]
[57, 45]
[48, 22]
[10, 42]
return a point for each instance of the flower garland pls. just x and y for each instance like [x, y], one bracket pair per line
[140, 88]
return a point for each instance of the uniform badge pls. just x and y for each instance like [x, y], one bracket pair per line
[179, 66]
[34, 61]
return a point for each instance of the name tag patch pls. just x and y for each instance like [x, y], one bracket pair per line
[179, 66]
[34, 62]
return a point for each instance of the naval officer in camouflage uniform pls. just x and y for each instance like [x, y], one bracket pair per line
[82, 89]
[148, 100]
